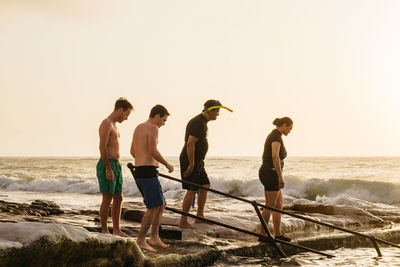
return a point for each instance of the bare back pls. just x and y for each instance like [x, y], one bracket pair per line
[109, 139]
[144, 139]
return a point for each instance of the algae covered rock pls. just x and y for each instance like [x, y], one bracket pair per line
[65, 252]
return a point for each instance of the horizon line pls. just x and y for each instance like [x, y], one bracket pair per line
[210, 156]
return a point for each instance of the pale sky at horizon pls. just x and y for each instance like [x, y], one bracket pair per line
[332, 66]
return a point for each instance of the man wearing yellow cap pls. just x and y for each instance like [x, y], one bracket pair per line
[192, 159]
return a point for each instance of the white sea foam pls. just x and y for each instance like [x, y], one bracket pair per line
[372, 191]
[365, 183]
[348, 191]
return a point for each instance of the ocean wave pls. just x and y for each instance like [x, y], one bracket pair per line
[314, 189]
[333, 191]
[68, 185]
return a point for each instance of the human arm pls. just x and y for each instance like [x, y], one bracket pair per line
[104, 132]
[133, 147]
[276, 146]
[190, 149]
[152, 141]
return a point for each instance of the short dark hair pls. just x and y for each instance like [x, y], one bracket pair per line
[211, 103]
[122, 103]
[158, 109]
[281, 121]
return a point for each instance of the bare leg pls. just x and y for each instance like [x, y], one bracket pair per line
[270, 200]
[276, 216]
[155, 240]
[116, 215]
[144, 228]
[104, 210]
[201, 202]
[187, 201]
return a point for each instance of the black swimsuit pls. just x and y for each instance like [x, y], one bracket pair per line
[196, 127]
[267, 173]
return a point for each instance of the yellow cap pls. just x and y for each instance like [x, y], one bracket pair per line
[215, 107]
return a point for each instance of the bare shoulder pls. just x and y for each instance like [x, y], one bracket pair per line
[147, 126]
[153, 129]
[141, 127]
[105, 124]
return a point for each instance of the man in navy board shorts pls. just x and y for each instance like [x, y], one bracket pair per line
[146, 178]
[147, 157]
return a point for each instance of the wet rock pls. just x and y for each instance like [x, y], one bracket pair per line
[8, 221]
[38, 208]
[31, 219]
[50, 207]
[184, 254]
[133, 215]
[45, 203]
[357, 215]
[96, 229]
[89, 212]
[322, 209]
[65, 252]
[72, 212]
[169, 233]
[203, 252]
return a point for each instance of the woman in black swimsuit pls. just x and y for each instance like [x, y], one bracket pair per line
[270, 173]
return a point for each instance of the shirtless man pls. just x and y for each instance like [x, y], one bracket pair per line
[108, 168]
[144, 150]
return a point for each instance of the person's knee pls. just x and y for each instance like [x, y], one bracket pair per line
[117, 197]
[107, 197]
[279, 204]
[265, 211]
[158, 209]
[270, 202]
[191, 193]
[150, 211]
[107, 201]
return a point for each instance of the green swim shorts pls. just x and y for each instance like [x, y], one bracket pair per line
[114, 186]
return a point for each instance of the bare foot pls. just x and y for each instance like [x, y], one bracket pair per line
[105, 232]
[143, 245]
[185, 225]
[158, 243]
[119, 233]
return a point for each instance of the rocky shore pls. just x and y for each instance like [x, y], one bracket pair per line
[43, 234]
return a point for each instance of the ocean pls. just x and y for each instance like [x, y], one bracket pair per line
[365, 192]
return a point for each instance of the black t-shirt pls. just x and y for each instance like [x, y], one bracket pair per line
[274, 136]
[196, 127]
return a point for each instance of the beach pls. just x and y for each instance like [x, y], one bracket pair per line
[358, 193]
[79, 79]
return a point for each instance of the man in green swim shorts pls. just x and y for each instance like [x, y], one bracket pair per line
[109, 169]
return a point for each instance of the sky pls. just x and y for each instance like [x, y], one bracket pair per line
[332, 66]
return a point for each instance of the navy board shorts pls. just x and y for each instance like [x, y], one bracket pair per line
[146, 178]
